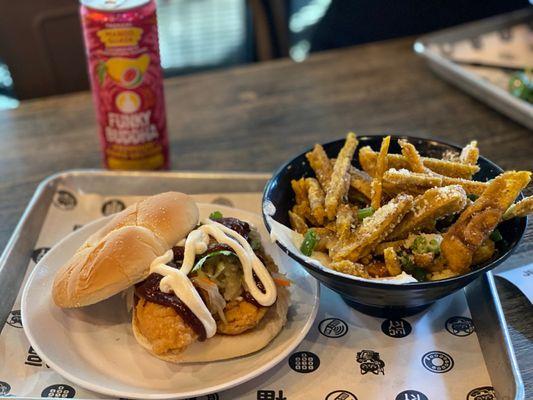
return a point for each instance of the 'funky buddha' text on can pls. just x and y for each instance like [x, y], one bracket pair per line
[124, 66]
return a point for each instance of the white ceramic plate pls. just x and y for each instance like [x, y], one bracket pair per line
[94, 346]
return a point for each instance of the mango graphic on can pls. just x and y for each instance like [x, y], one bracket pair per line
[126, 72]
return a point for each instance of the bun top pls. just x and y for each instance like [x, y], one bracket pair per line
[119, 254]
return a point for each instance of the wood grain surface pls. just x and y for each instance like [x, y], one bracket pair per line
[253, 118]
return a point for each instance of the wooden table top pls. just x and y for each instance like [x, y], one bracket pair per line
[253, 118]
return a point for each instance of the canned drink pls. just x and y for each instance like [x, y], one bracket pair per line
[122, 48]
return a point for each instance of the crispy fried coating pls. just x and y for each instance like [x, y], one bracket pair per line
[344, 222]
[520, 209]
[302, 207]
[316, 198]
[404, 181]
[368, 158]
[434, 204]
[240, 317]
[163, 327]
[381, 167]
[340, 178]
[350, 268]
[300, 190]
[392, 263]
[470, 153]
[297, 223]
[320, 163]
[373, 229]
[479, 219]
[411, 155]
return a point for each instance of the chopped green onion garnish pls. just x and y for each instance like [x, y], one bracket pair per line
[215, 215]
[202, 260]
[434, 246]
[365, 212]
[473, 197]
[496, 236]
[309, 243]
[420, 245]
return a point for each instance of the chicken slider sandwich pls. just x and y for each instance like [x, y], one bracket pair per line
[203, 291]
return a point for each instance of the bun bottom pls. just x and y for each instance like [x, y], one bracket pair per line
[223, 347]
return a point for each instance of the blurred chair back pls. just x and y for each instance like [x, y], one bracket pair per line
[41, 42]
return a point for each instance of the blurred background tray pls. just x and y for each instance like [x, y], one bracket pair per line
[466, 44]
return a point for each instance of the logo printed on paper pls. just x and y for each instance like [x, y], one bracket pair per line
[112, 206]
[333, 327]
[411, 395]
[341, 395]
[64, 200]
[4, 388]
[34, 359]
[527, 272]
[39, 253]
[396, 328]
[437, 362]
[482, 393]
[270, 395]
[304, 362]
[460, 326]
[370, 362]
[14, 319]
[59, 390]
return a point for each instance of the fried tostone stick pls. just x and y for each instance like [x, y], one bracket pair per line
[479, 219]
[350, 268]
[359, 180]
[298, 223]
[301, 206]
[373, 230]
[344, 221]
[520, 209]
[404, 181]
[321, 164]
[300, 190]
[368, 158]
[470, 153]
[381, 167]
[316, 196]
[392, 263]
[434, 204]
[340, 178]
[411, 154]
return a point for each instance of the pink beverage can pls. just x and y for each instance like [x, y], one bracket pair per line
[127, 82]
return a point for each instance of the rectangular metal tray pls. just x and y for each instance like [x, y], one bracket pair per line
[481, 294]
[494, 96]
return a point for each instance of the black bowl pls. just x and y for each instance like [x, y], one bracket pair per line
[378, 298]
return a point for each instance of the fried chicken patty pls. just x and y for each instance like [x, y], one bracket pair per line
[240, 316]
[163, 327]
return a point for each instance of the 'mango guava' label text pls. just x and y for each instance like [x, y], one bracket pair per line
[126, 80]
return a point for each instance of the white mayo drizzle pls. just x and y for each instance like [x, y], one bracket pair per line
[176, 280]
